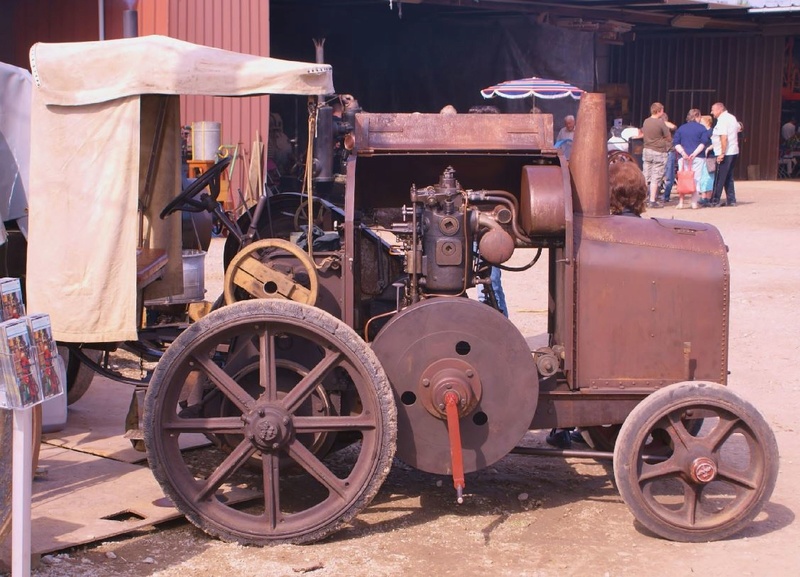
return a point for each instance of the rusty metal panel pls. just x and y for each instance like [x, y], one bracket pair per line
[397, 132]
[692, 71]
[632, 291]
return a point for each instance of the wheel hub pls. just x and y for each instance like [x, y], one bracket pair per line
[703, 470]
[268, 428]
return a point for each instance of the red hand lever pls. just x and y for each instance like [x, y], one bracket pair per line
[451, 407]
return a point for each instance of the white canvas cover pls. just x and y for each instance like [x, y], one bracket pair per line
[96, 109]
[15, 130]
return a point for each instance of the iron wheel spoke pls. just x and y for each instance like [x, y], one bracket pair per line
[691, 499]
[292, 401]
[739, 478]
[317, 469]
[721, 431]
[678, 432]
[268, 378]
[332, 424]
[217, 425]
[668, 468]
[230, 465]
[272, 501]
[225, 383]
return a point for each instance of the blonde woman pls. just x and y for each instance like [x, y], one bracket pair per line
[706, 184]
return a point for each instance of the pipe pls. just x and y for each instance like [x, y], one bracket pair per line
[101, 19]
[588, 163]
[130, 24]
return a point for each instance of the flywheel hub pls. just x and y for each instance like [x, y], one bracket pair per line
[482, 357]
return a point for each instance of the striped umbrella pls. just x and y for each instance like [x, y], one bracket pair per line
[534, 86]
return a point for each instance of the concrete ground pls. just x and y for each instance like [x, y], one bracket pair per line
[540, 516]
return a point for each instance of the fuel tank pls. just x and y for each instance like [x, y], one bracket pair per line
[651, 302]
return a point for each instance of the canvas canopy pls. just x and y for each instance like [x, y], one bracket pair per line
[105, 160]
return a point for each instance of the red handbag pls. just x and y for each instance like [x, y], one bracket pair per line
[685, 179]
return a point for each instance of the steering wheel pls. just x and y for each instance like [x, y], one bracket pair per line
[301, 214]
[186, 201]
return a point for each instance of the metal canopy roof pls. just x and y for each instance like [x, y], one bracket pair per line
[617, 20]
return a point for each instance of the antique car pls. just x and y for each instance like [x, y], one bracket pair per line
[348, 336]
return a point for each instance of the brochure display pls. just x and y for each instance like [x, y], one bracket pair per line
[31, 371]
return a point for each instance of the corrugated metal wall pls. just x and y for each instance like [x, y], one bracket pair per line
[30, 21]
[238, 25]
[745, 73]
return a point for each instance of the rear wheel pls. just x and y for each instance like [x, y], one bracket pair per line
[695, 486]
[79, 376]
[259, 376]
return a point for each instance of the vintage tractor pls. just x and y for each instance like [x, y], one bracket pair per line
[355, 341]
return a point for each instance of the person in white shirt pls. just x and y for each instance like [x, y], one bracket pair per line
[568, 131]
[789, 130]
[725, 139]
[566, 135]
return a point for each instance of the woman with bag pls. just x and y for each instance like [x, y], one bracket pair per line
[709, 170]
[690, 140]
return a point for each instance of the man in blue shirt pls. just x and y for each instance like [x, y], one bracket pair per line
[690, 140]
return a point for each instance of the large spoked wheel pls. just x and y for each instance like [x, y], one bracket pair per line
[321, 213]
[695, 487]
[296, 496]
[271, 268]
[79, 376]
[185, 201]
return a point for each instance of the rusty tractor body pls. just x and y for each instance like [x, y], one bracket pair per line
[349, 338]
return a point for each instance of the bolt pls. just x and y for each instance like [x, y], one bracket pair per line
[449, 386]
[251, 437]
[261, 412]
[275, 445]
[470, 373]
[441, 406]
[286, 420]
[426, 382]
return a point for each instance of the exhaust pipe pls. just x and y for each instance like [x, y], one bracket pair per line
[130, 24]
[588, 165]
